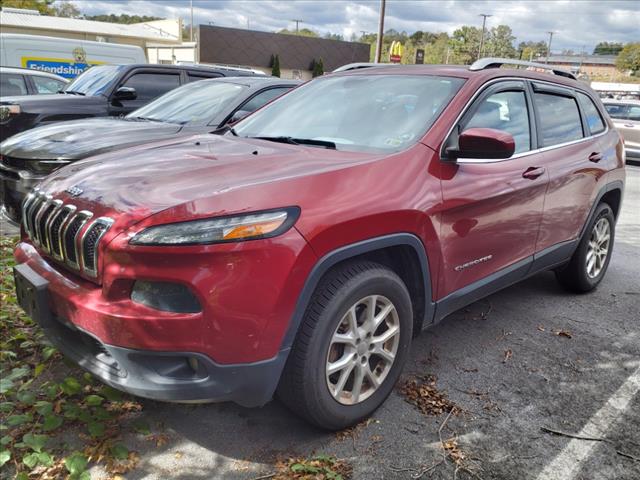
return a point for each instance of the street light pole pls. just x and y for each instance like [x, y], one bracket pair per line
[484, 22]
[549, 46]
[380, 31]
[191, 25]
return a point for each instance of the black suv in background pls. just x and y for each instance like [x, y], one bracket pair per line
[105, 90]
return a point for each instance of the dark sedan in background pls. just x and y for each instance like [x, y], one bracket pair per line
[103, 91]
[201, 107]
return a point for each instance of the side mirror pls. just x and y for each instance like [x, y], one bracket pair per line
[239, 115]
[483, 143]
[125, 93]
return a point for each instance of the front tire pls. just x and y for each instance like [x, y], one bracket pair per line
[351, 346]
[590, 261]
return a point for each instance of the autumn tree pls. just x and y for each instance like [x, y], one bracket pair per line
[608, 48]
[629, 58]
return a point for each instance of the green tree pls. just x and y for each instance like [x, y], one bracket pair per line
[532, 50]
[608, 48]
[66, 9]
[318, 68]
[275, 66]
[123, 18]
[629, 58]
[303, 32]
[499, 42]
[465, 43]
[42, 6]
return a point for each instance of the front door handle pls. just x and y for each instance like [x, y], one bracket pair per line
[533, 172]
[629, 125]
[595, 157]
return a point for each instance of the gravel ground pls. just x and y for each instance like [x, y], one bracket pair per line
[504, 364]
[500, 360]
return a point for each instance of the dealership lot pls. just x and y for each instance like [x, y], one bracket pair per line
[529, 357]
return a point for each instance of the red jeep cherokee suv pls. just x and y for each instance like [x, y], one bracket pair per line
[300, 252]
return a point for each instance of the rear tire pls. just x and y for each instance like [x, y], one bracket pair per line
[589, 263]
[359, 316]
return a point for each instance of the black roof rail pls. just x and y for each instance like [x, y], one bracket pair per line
[484, 63]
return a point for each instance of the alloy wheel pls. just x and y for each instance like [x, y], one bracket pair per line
[598, 248]
[362, 350]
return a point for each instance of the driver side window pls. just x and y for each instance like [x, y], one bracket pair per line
[506, 111]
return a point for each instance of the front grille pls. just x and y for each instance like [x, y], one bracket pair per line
[58, 230]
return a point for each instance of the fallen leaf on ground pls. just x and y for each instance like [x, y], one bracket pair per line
[563, 333]
[507, 355]
[423, 394]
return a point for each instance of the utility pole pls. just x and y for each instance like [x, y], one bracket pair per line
[298, 22]
[549, 46]
[380, 32]
[484, 22]
[191, 25]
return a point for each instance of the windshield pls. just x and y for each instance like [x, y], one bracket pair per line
[95, 81]
[357, 112]
[195, 103]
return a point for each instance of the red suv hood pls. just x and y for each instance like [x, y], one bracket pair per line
[144, 180]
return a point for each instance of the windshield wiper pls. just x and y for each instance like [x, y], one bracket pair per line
[73, 92]
[225, 129]
[144, 119]
[300, 141]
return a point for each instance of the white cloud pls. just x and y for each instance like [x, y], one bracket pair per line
[576, 24]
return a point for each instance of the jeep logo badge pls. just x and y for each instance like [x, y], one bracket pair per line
[74, 191]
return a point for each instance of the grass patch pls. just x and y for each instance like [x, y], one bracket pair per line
[55, 420]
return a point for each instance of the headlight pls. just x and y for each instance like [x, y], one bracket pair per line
[257, 225]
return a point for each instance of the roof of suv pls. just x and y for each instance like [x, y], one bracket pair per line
[194, 67]
[31, 71]
[484, 69]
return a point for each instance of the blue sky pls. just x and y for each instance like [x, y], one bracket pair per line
[577, 24]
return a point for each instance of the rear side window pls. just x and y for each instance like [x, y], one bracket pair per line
[12, 84]
[506, 111]
[594, 120]
[559, 118]
[194, 77]
[46, 85]
[151, 85]
[263, 98]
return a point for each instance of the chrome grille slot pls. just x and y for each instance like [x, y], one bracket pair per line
[25, 208]
[31, 213]
[55, 230]
[69, 242]
[39, 209]
[43, 222]
[90, 240]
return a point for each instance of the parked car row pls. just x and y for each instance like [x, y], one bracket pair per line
[200, 107]
[299, 251]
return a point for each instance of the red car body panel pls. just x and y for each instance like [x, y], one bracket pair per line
[249, 290]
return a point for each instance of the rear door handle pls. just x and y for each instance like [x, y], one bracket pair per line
[595, 157]
[629, 125]
[533, 172]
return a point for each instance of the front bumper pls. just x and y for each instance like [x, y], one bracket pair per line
[168, 376]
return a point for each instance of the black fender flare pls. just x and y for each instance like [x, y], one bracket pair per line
[346, 252]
